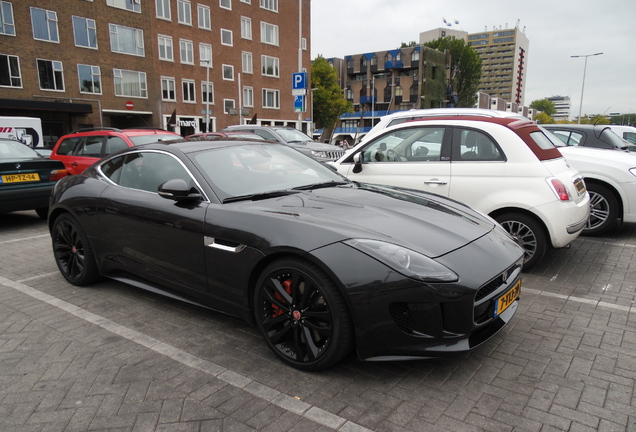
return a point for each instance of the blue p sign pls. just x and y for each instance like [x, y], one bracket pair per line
[299, 80]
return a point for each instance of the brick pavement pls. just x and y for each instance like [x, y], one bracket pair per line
[113, 358]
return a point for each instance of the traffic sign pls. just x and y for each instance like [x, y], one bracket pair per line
[299, 103]
[299, 80]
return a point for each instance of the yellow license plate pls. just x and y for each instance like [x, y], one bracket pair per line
[508, 298]
[17, 178]
[580, 186]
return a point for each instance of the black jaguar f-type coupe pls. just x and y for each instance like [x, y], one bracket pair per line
[322, 265]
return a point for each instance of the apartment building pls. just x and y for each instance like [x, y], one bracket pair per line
[504, 56]
[380, 82]
[182, 65]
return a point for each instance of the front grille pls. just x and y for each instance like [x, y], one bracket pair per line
[335, 155]
[484, 301]
[402, 316]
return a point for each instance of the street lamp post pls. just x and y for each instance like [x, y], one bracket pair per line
[207, 94]
[583, 86]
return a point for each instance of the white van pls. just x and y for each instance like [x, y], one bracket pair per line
[628, 133]
[25, 129]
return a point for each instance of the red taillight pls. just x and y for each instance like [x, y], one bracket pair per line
[560, 189]
[58, 174]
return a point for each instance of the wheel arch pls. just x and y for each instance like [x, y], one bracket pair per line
[615, 191]
[496, 213]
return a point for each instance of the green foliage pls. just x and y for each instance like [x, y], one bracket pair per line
[328, 100]
[465, 68]
[407, 45]
[544, 118]
[624, 120]
[544, 105]
[596, 119]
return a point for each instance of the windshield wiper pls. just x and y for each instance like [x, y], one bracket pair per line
[321, 185]
[260, 196]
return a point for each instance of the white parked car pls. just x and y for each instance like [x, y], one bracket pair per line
[414, 114]
[628, 133]
[610, 177]
[505, 167]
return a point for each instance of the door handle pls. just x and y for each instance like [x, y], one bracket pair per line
[434, 182]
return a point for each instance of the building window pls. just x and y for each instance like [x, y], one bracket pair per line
[7, 25]
[131, 5]
[207, 92]
[203, 15]
[168, 92]
[271, 98]
[126, 40]
[10, 75]
[44, 23]
[246, 28]
[184, 12]
[246, 1]
[247, 62]
[84, 32]
[415, 56]
[205, 55]
[269, 33]
[271, 5]
[226, 37]
[228, 104]
[228, 72]
[248, 97]
[51, 75]
[163, 9]
[130, 83]
[225, 4]
[165, 48]
[189, 94]
[90, 79]
[186, 48]
[269, 66]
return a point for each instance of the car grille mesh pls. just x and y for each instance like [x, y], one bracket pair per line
[402, 316]
[483, 310]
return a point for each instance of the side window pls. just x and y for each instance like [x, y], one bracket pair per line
[474, 145]
[91, 147]
[114, 144]
[575, 139]
[148, 170]
[266, 134]
[419, 144]
[67, 146]
[112, 169]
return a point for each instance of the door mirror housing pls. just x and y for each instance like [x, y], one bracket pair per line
[178, 190]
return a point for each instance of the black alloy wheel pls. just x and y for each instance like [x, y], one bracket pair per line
[528, 234]
[302, 315]
[72, 251]
[603, 210]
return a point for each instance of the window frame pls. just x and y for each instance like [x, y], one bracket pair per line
[165, 43]
[231, 35]
[270, 34]
[4, 23]
[93, 74]
[138, 36]
[11, 71]
[273, 92]
[129, 5]
[166, 90]
[204, 48]
[184, 12]
[246, 28]
[275, 66]
[227, 6]
[227, 67]
[209, 85]
[55, 72]
[162, 10]
[248, 102]
[186, 46]
[142, 83]
[270, 5]
[50, 22]
[87, 29]
[203, 11]
[247, 62]
[188, 90]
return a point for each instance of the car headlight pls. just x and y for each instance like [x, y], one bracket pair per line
[405, 261]
[317, 153]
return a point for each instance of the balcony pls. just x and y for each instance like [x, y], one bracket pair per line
[394, 64]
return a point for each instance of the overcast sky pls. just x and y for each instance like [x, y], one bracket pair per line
[556, 29]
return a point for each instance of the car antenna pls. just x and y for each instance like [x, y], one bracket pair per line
[602, 115]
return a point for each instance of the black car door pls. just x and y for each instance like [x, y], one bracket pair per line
[152, 237]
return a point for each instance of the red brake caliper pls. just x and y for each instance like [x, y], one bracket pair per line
[278, 311]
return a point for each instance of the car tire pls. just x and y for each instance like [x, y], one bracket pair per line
[43, 213]
[72, 251]
[528, 234]
[301, 315]
[603, 210]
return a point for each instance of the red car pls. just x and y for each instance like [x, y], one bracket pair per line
[81, 149]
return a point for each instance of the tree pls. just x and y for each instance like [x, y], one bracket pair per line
[544, 105]
[465, 68]
[328, 100]
[544, 118]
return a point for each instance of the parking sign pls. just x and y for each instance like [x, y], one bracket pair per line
[299, 83]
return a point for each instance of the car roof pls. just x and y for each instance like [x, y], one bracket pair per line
[128, 131]
[195, 146]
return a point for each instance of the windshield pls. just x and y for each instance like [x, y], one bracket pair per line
[16, 150]
[246, 170]
[293, 135]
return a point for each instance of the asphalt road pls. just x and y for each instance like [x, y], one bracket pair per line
[113, 358]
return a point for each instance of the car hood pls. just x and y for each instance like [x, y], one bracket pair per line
[427, 223]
